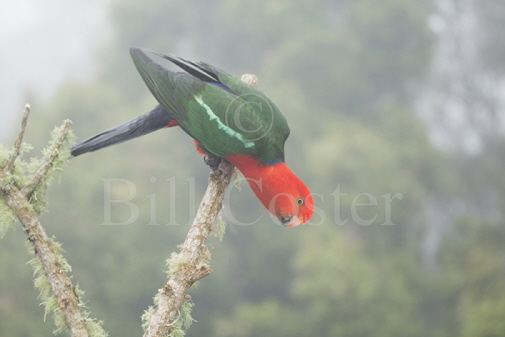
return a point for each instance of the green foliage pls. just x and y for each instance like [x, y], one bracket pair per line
[336, 292]
[472, 262]
[345, 281]
[267, 318]
[484, 317]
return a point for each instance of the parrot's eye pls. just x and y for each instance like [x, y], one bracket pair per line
[300, 201]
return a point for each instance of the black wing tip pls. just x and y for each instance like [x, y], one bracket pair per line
[141, 54]
[138, 53]
[138, 50]
[177, 60]
[143, 51]
[200, 70]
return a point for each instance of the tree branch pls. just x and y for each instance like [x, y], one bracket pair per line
[52, 269]
[51, 155]
[190, 264]
[61, 285]
[17, 144]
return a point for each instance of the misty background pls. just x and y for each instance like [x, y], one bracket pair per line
[383, 98]
[45, 43]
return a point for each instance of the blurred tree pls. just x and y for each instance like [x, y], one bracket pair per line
[336, 291]
[463, 103]
[473, 273]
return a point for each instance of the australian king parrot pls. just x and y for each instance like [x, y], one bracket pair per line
[228, 119]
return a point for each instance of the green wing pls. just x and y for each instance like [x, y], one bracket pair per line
[241, 120]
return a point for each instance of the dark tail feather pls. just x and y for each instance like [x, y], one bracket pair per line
[153, 120]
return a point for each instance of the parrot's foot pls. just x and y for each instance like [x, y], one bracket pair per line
[212, 161]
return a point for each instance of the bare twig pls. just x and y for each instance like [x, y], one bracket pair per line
[190, 265]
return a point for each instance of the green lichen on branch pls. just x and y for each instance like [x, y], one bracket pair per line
[56, 154]
[7, 218]
[34, 176]
[42, 284]
[20, 174]
[182, 321]
[146, 316]
[14, 177]
[219, 228]
[176, 262]
[49, 300]
[23, 187]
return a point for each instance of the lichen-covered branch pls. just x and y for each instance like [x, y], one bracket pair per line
[18, 182]
[17, 144]
[61, 285]
[48, 163]
[191, 263]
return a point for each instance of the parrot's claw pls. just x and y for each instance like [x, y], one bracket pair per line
[212, 161]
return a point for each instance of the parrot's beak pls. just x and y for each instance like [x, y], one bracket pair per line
[293, 222]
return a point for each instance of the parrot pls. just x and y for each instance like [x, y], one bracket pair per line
[227, 119]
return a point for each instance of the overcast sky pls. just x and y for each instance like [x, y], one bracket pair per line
[43, 42]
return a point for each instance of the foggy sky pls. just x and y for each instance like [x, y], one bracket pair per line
[44, 42]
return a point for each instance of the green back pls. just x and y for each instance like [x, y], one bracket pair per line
[243, 120]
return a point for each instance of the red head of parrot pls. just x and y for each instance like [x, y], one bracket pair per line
[282, 193]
